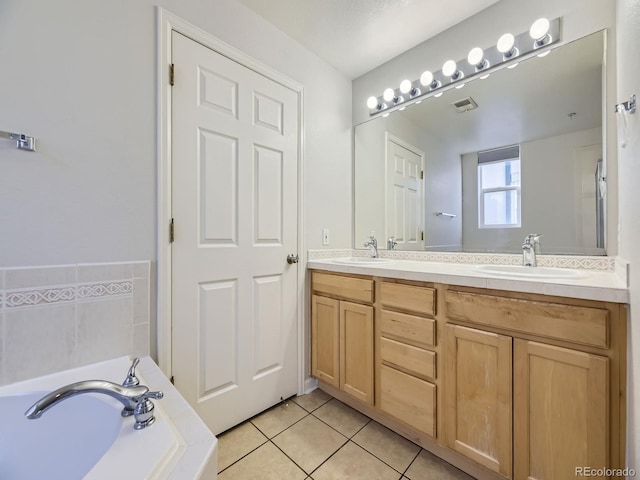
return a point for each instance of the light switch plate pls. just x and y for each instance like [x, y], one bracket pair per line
[325, 236]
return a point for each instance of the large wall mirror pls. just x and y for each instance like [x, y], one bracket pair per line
[479, 168]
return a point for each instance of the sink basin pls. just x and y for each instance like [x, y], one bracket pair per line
[360, 261]
[530, 272]
[66, 442]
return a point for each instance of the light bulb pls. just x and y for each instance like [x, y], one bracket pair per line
[372, 102]
[539, 28]
[405, 86]
[449, 68]
[475, 56]
[388, 94]
[505, 43]
[426, 78]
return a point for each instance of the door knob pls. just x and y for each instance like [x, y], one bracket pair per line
[291, 258]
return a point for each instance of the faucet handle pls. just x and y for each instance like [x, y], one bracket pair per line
[132, 380]
[144, 410]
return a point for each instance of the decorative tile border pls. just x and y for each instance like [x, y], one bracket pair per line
[556, 261]
[105, 289]
[83, 313]
[63, 294]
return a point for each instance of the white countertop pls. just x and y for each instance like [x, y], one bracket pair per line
[608, 286]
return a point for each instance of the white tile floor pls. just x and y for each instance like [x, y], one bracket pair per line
[317, 437]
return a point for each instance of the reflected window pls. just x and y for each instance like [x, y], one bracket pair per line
[499, 180]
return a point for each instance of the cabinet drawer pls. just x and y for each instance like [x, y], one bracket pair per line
[418, 331]
[583, 325]
[350, 288]
[409, 297]
[413, 360]
[408, 399]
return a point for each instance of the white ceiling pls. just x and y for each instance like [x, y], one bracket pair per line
[355, 36]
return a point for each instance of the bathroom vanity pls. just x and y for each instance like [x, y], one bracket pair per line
[503, 377]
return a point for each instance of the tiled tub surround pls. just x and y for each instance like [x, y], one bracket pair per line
[606, 278]
[57, 317]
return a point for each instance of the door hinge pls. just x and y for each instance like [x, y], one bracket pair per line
[421, 171]
[172, 70]
[171, 380]
[172, 232]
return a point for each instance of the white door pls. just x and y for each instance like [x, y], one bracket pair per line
[234, 204]
[404, 197]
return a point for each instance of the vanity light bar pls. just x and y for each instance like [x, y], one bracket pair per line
[512, 50]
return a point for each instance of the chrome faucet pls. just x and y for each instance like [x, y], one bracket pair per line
[134, 398]
[391, 243]
[530, 248]
[373, 246]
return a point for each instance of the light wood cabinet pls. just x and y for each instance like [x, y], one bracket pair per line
[567, 411]
[342, 339]
[325, 338]
[407, 360]
[561, 412]
[478, 396]
[501, 384]
[356, 350]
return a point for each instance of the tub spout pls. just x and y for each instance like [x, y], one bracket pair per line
[128, 396]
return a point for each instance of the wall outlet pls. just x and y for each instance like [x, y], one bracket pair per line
[325, 236]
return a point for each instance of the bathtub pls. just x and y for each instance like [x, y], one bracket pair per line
[100, 443]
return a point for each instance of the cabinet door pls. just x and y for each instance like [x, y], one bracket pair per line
[325, 324]
[561, 412]
[356, 350]
[478, 396]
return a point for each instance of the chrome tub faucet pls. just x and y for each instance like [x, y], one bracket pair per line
[530, 248]
[134, 397]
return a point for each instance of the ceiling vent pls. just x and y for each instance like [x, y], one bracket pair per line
[464, 105]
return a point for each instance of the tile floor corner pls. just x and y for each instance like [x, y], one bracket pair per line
[317, 437]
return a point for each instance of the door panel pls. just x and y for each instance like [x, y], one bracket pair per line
[561, 411]
[234, 203]
[478, 396]
[404, 196]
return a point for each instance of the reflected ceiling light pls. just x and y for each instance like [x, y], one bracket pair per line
[539, 31]
[450, 69]
[477, 60]
[506, 46]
